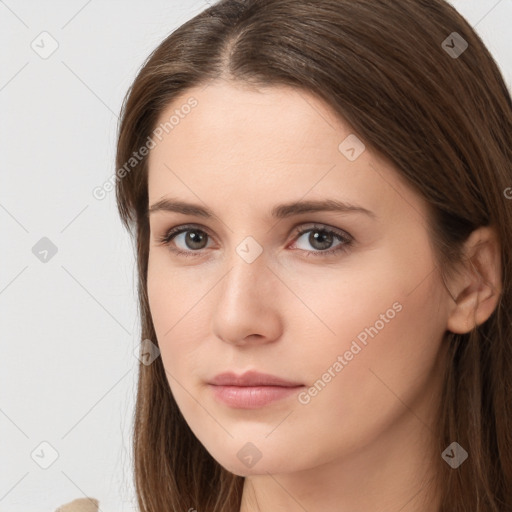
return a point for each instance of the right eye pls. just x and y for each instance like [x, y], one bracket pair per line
[193, 240]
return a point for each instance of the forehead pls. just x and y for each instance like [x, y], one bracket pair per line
[239, 119]
[247, 147]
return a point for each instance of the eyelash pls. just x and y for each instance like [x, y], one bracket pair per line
[346, 240]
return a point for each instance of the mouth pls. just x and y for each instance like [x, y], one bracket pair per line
[251, 390]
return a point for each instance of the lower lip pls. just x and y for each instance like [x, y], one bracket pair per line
[252, 397]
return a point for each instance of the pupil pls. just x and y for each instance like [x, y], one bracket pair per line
[325, 239]
[194, 238]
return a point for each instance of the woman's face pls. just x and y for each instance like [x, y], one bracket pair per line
[352, 311]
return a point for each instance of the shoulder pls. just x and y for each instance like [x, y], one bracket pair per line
[80, 505]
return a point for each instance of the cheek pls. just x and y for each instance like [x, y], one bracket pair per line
[170, 293]
[175, 305]
[379, 382]
[165, 308]
[334, 305]
[161, 303]
[385, 323]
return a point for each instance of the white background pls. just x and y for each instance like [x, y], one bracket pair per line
[70, 326]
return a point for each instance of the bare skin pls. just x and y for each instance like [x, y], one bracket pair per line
[362, 440]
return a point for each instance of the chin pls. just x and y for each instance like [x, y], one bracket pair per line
[241, 464]
[258, 469]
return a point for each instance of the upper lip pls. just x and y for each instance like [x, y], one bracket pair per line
[251, 378]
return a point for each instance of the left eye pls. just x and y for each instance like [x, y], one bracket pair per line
[320, 238]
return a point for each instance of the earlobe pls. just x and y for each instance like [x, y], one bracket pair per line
[478, 288]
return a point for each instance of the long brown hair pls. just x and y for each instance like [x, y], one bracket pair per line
[441, 113]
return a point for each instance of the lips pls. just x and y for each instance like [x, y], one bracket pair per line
[252, 390]
[252, 379]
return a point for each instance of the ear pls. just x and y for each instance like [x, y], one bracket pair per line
[476, 291]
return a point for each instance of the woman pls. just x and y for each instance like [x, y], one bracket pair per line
[320, 197]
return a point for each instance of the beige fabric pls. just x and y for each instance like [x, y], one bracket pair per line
[80, 505]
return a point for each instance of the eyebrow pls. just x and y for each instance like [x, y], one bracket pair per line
[280, 211]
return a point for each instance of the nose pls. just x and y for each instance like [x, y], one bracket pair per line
[246, 310]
